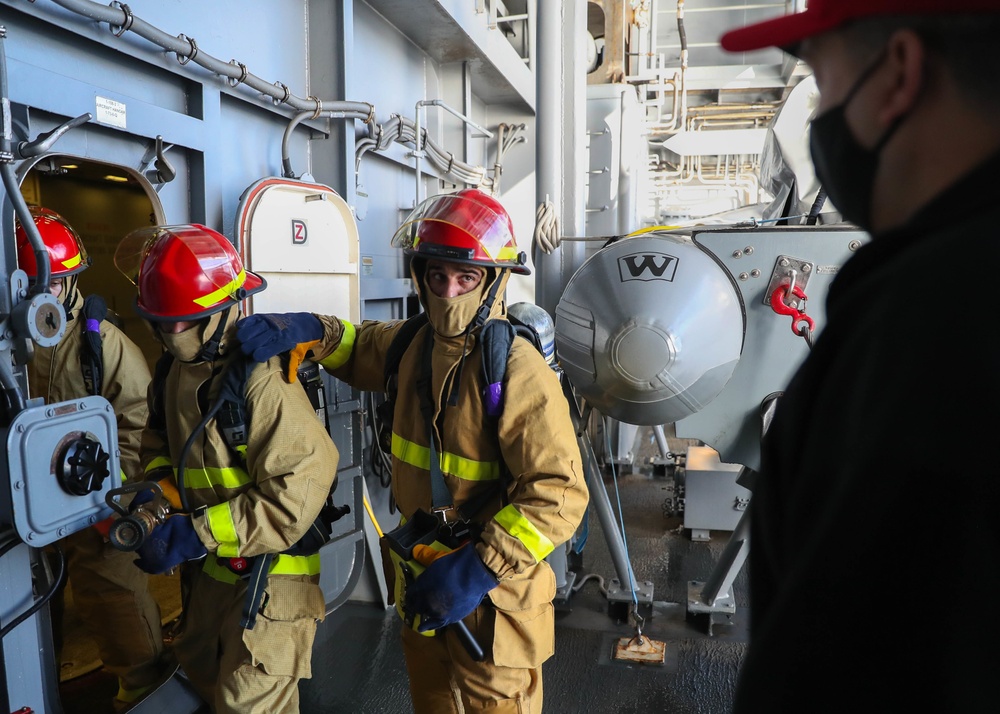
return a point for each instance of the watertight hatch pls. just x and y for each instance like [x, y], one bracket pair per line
[303, 239]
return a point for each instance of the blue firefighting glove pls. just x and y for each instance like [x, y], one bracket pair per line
[451, 588]
[169, 544]
[265, 335]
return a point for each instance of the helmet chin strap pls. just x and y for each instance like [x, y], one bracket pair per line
[482, 315]
[210, 350]
[71, 294]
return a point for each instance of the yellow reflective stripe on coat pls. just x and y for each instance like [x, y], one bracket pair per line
[281, 565]
[452, 464]
[220, 522]
[339, 357]
[227, 477]
[524, 530]
[160, 462]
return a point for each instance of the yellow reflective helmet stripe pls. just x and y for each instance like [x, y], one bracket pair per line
[220, 522]
[507, 253]
[281, 565]
[458, 466]
[339, 356]
[220, 294]
[71, 263]
[524, 530]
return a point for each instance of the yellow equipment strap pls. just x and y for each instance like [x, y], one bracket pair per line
[282, 565]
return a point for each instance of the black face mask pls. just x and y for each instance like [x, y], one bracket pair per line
[845, 168]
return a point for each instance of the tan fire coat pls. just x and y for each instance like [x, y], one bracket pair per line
[55, 374]
[110, 593]
[536, 509]
[261, 504]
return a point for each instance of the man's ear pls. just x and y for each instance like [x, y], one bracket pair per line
[906, 57]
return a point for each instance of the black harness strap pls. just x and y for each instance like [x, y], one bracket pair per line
[441, 499]
[92, 349]
[255, 590]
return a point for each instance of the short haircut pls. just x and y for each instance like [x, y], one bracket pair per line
[964, 45]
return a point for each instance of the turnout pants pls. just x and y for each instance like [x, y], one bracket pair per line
[113, 599]
[444, 679]
[237, 670]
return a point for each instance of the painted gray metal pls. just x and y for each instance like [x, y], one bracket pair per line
[732, 422]
[650, 329]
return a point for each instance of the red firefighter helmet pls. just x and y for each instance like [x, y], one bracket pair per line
[67, 255]
[184, 272]
[468, 227]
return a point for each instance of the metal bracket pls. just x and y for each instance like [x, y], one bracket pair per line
[795, 272]
[620, 599]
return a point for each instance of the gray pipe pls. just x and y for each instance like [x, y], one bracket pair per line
[548, 141]
[186, 49]
[599, 498]
[10, 181]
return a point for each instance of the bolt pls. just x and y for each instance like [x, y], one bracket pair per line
[806, 268]
[783, 262]
[748, 250]
[737, 253]
[18, 485]
[854, 245]
[61, 532]
[744, 276]
[31, 535]
[20, 428]
[755, 273]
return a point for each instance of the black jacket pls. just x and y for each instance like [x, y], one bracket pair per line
[875, 535]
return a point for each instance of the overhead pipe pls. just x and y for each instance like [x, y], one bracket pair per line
[418, 151]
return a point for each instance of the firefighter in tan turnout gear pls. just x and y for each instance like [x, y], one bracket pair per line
[250, 606]
[110, 594]
[514, 481]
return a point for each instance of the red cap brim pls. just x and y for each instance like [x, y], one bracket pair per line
[786, 31]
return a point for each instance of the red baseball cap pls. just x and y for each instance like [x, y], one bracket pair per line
[824, 15]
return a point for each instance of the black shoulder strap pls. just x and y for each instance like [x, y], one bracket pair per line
[157, 411]
[232, 414]
[92, 350]
[496, 339]
[400, 342]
